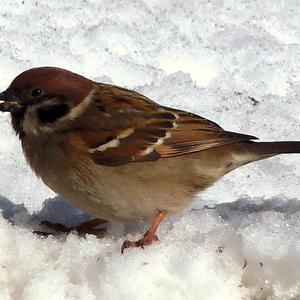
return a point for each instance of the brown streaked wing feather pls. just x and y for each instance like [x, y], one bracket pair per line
[195, 133]
[190, 118]
[134, 128]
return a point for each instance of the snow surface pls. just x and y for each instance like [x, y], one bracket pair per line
[235, 62]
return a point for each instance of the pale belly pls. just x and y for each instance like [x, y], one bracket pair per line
[135, 191]
[127, 192]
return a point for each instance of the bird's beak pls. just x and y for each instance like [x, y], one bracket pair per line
[9, 103]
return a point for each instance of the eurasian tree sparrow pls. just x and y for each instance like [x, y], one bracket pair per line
[116, 154]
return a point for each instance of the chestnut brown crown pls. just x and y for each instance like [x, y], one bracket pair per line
[47, 82]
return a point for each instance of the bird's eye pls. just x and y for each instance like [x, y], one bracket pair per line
[36, 92]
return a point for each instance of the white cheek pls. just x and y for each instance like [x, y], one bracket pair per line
[30, 122]
[32, 125]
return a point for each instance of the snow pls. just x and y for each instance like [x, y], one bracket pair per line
[234, 62]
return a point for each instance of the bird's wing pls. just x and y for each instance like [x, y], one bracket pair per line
[125, 126]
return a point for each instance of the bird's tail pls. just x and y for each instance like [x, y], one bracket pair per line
[246, 152]
[268, 149]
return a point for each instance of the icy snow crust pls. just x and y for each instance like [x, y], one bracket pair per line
[234, 62]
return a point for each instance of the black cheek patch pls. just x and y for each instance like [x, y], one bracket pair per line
[51, 113]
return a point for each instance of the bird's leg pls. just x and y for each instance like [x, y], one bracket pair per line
[148, 237]
[88, 227]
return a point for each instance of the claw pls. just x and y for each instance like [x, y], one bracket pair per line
[148, 237]
[125, 245]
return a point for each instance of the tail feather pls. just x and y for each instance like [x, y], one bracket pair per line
[247, 152]
[267, 149]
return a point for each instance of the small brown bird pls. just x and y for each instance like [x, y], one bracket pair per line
[116, 154]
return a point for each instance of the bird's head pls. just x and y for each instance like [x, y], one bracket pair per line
[39, 97]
